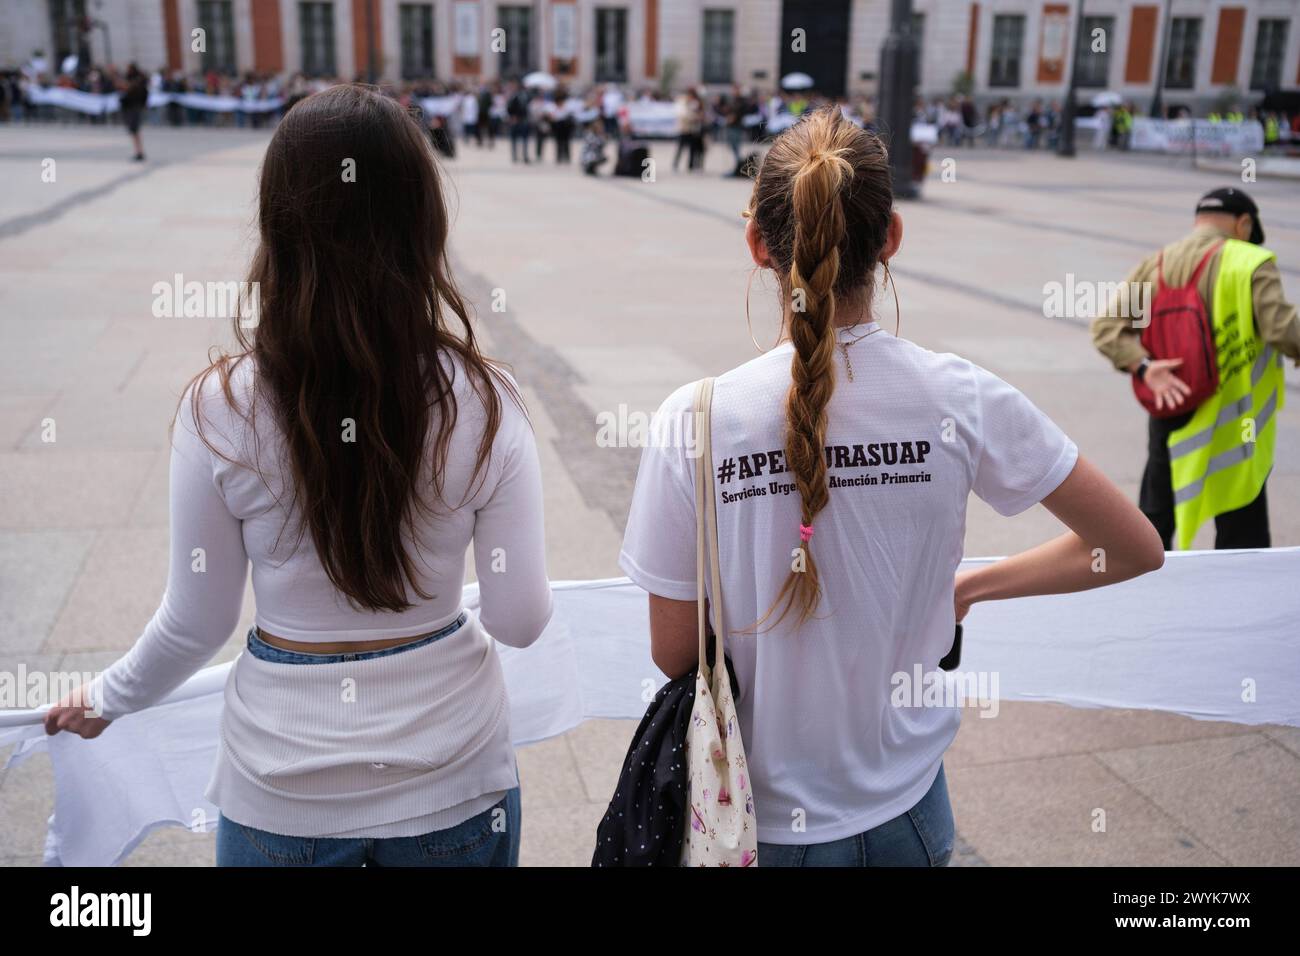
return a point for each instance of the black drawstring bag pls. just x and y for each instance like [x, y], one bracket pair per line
[645, 824]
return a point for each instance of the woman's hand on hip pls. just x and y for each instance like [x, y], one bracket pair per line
[961, 593]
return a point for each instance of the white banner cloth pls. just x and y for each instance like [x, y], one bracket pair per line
[653, 119]
[1213, 635]
[1200, 136]
[440, 105]
[100, 104]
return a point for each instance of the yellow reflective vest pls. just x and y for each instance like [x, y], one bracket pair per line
[1221, 457]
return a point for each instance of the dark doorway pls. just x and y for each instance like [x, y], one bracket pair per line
[826, 42]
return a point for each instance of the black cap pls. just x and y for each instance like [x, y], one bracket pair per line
[1235, 203]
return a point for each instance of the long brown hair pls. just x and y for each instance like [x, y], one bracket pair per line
[822, 204]
[357, 309]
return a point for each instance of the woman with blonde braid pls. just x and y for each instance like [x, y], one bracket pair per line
[843, 461]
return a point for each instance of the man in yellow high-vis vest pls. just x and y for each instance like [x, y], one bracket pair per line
[1212, 461]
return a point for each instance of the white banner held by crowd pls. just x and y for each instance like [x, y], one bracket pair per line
[653, 119]
[101, 104]
[441, 105]
[1199, 136]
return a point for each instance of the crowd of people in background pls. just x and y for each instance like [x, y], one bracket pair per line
[535, 121]
[533, 118]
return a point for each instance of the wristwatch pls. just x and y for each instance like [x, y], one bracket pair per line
[1141, 370]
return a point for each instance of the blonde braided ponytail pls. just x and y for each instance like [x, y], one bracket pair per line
[810, 198]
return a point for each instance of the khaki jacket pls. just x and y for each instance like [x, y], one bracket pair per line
[1113, 333]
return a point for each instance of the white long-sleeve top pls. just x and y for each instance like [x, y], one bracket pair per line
[225, 513]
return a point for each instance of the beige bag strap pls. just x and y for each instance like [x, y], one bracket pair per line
[706, 525]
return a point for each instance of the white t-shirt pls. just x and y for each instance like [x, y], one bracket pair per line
[468, 108]
[907, 442]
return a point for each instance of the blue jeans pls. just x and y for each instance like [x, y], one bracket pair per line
[276, 655]
[519, 133]
[922, 836]
[490, 838]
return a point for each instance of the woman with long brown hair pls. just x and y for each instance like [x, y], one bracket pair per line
[351, 449]
[843, 460]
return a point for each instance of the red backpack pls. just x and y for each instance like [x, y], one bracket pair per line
[1180, 327]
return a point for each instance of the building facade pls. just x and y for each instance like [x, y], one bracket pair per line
[993, 48]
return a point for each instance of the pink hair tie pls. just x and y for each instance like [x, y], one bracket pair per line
[805, 533]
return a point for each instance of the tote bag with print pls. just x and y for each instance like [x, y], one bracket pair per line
[721, 828]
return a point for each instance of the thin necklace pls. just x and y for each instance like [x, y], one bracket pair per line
[844, 347]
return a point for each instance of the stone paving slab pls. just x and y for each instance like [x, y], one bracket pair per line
[37, 571]
[1237, 794]
[1043, 812]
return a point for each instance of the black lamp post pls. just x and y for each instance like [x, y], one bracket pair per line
[1065, 142]
[897, 87]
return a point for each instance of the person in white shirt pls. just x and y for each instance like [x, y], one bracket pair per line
[611, 101]
[351, 449]
[469, 116]
[540, 110]
[843, 460]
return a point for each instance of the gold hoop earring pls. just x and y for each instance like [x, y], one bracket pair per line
[748, 322]
[898, 316]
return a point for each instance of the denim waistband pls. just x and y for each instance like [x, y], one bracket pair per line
[276, 655]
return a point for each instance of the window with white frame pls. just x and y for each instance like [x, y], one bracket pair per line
[316, 37]
[1093, 51]
[217, 20]
[517, 59]
[1008, 44]
[719, 45]
[1184, 47]
[416, 22]
[1270, 50]
[611, 44]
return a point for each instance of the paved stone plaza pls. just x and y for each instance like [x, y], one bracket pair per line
[617, 291]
